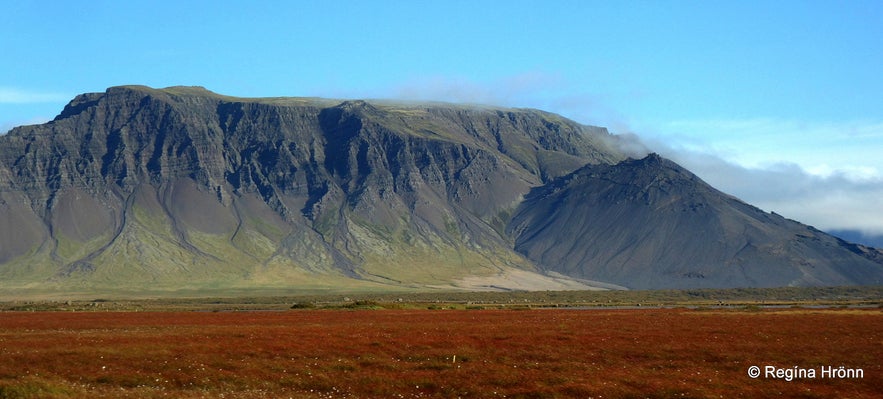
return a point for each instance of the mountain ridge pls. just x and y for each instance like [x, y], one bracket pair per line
[666, 225]
[182, 187]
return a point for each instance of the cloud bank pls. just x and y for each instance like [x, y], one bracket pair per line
[836, 200]
[534, 89]
[507, 91]
[824, 148]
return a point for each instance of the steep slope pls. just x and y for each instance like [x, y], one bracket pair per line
[181, 188]
[651, 224]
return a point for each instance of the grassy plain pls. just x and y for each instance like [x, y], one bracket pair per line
[414, 353]
[282, 299]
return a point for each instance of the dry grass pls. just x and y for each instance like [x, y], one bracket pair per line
[411, 353]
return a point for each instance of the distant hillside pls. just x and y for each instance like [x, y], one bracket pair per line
[652, 224]
[858, 237]
[140, 190]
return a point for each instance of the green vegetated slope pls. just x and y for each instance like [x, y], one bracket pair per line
[174, 190]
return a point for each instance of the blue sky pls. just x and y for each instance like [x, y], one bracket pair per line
[776, 102]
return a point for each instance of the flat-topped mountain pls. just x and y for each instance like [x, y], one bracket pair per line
[140, 190]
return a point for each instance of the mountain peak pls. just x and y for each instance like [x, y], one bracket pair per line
[652, 158]
[649, 223]
[655, 161]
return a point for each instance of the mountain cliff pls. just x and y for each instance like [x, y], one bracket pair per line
[140, 189]
[650, 223]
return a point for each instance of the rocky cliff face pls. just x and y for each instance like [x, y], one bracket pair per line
[181, 188]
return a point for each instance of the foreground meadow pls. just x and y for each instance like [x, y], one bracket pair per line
[439, 353]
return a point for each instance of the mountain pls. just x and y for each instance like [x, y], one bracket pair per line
[141, 190]
[650, 223]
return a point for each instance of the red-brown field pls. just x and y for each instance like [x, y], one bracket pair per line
[425, 353]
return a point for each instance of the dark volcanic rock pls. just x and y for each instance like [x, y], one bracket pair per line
[649, 223]
[181, 185]
[139, 188]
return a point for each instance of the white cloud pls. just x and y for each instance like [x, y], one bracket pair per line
[821, 148]
[17, 96]
[825, 174]
[837, 199]
[512, 90]
[27, 107]
[546, 91]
